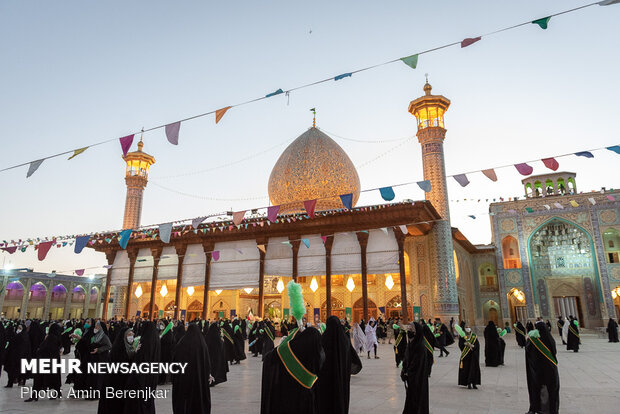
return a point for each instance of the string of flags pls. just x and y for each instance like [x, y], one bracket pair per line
[172, 129]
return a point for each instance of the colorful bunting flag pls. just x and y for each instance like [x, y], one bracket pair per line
[347, 200]
[411, 61]
[196, 222]
[344, 75]
[126, 143]
[215, 254]
[387, 193]
[490, 174]
[306, 242]
[547, 206]
[384, 230]
[309, 205]
[80, 243]
[287, 243]
[278, 92]
[611, 198]
[586, 154]
[615, 148]
[77, 152]
[574, 203]
[172, 132]
[558, 205]
[524, 169]
[124, 239]
[165, 230]
[425, 185]
[44, 247]
[592, 200]
[220, 113]
[238, 217]
[261, 247]
[403, 229]
[472, 216]
[272, 213]
[470, 41]
[543, 23]
[551, 163]
[461, 179]
[34, 165]
[107, 266]
[79, 272]
[10, 250]
[324, 238]
[529, 209]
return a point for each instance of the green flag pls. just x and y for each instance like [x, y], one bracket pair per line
[543, 23]
[411, 61]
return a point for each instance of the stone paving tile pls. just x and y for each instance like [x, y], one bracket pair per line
[589, 380]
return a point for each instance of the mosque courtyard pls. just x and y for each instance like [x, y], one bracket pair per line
[589, 382]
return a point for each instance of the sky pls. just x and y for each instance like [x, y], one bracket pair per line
[78, 72]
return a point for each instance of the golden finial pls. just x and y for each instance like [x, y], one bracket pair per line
[427, 86]
[141, 144]
[313, 110]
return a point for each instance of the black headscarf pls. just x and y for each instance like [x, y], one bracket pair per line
[117, 381]
[542, 372]
[49, 349]
[414, 372]
[190, 390]
[492, 347]
[219, 365]
[148, 352]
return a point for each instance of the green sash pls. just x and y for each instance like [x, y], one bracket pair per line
[465, 351]
[398, 339]
[293, 366]
[429, 348]
[269, 333]
[518, 330]
[227, 336]
[570, 328]
[543, 350]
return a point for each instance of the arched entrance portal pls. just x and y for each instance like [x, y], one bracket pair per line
[272, 309]
[337, 309]
[358, 310]
[145, 311]
[220, 310]
[393, 308]
[194, 310]
[518, 308]
[169, 309]
[491, 312]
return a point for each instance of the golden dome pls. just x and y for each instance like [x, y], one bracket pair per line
[312, 167]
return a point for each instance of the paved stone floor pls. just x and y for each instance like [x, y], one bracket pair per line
[590, 383]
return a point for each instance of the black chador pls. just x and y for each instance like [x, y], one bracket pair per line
[219, 365]
[268, 335]
[542, 371]
[166, 340]
[65, 337]
[612, 330]
[148, 352]
[414, 372]
[520, 333]
[290, 373]
[229, 342]
[123, 351]
[529, 326]
[469, 362]
[98, 351]
[190, 390]
[333, 385]
[429, 344]
[238, 341]
[18, 347]
[255, 339]
[492, 346]
[178, 331]
[400, 344]
[560, 324]
[573, 341]
[49, 349]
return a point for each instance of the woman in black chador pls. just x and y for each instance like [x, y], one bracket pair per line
[18, 347]
[414, 372]
[123, 351]
[542, 371]
[560, 324]
[190, 390]
[268, 335]
[400, 344]
[492, 347]
[469, 362]
[429, 344]
[333, 385]
[219, 366]
[99, 349]
[65, 337]
[229, 343]
[49, 349]
[239, 343]
[148, 352]
[572, 341]
[529, 326]
[520, 333]
[166, 341]
[612, 330]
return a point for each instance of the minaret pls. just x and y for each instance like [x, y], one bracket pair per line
[429, 110]
[136, 177]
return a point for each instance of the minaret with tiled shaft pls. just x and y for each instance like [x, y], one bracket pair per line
[136, 178]
[429, 111]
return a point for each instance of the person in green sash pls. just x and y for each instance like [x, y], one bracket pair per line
[543, 381]
[520, 333]
[469, 362]
[572, 341]
[414, 372]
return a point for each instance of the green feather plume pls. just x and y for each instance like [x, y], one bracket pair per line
[296, 300]
[460, 330]
[502, 333]
[534, 333]
[576, 323]
[395, 326]
[322, 327]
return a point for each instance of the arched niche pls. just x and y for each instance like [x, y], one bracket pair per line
[78, 295]
[38, 291]
[487, 277]
[611, 244]
[510, 253]
[59, 293]
[14, 291]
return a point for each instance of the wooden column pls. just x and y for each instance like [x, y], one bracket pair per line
[110, 256]
[400, 239]
[362, 237]
[133, 255]
[295, 242]
[180, 248]
[156, 253]
[261, 274]
[329, 242]
[208, 248]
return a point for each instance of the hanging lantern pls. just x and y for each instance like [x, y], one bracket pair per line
[313, 284]
[350, 284]
[190, 290]
[248, 290]
[164, 291]
[138, 292]
[389, 282]
[218, 291]
[280, 286]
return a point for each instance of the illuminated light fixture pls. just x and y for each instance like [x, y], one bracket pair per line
[138, 291]
[248, 290]
[313, 284]
[218, 291]
[164, 291]
[350, 284]
[519, 295]
[190, 290]
[280, 286]
[614, 294]
[389, 282]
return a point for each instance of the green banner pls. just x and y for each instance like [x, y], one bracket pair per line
[348, 314]
[417, 310]
[285, 312]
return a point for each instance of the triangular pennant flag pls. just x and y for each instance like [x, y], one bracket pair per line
[558, 205]
[172, 132]
[608, 2]
[309, 205]
[107, 266]
[77, 152]
[215, 254]
[34, 165]
[574, 203]
[196, 222]
[387, 193]
[592, 200]
[272, 213]
[403, 229]
[324, 238]
[586, 154]
[347, 200]
[10, 250]
[261, 247]
[124, 239]
[470, 41]
[384, 230]
[551, 163]
[306, 242]
[220, 113]
[79, 272]
[126, 143]
[411, 61]
[524, 169]
[472, 216]
[287, 243]
[615, 148]
[490, 174]
[44, 247]
[547, 206]
[344, 75]
[425, 185]
[611, 198]
[238, 217]
[164, 232]
[461, 179]
[80, 243]
[278, 92]
[529, 209]
[543, 23]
